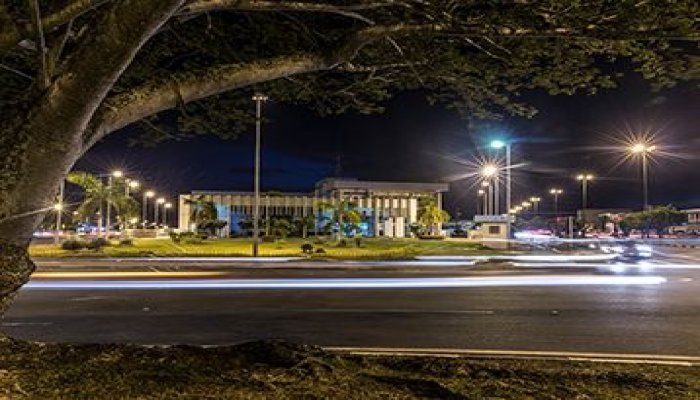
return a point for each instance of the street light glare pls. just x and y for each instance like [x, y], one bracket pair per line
[58, 206]
[160, 200]
[489, 171]
[497, 144]
[134, 184]
[150, 193]
[168, 205]
[117, 173]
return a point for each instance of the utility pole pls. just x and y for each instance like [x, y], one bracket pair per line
[258, 98]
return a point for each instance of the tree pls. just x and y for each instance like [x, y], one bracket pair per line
[345, 216]
[302, 225]
[280, 227]
[98, 194]
[74, 71]
[204, 214]
[658, 219]
[431, 216]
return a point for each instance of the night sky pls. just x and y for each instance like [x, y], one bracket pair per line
[414, 141]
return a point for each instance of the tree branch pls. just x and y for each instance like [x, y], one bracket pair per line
[350, 11]
[10, 34]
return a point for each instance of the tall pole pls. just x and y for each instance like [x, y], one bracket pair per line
[556, 206]
[155, 215]
[496, 195]
[645, 180]
[490, 202]
[508, 186]
[59, 212]
[258, 98]
[143, 210]
[109, 208]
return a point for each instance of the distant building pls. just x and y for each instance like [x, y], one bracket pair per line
[387, 208]
[693, 224]
[603, 219]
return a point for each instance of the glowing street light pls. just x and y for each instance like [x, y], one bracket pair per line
[159, 201]
[166, 207]
[144, 205]
[584, 179]
[535, 202]
[490, 172]
[643, 150]
[556, 193]
[500, 144]
[118, 174]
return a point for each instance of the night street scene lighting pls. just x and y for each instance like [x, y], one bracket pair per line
[349, 199]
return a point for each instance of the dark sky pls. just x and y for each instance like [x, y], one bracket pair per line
[413, 141]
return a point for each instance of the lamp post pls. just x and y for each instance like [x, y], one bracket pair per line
[490, 172]
[499, 144]
[58, 207]
[480, 200]
[584, 179]
[144, 205]
[556, 193]
[117, 174]
[159, 201]
[166, 207]
[487, 197]
[258, 98]
[535, 204]
[643, 150]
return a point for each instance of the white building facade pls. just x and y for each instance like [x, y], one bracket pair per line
[386, 208]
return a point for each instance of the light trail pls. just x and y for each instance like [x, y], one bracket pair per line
[360, 283]
[525, 257]
[122, 274]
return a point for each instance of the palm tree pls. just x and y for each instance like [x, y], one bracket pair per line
[97, 194]
[345, 214]
[203, 211]
[431, 216]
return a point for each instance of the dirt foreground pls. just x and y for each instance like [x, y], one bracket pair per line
[277, 369]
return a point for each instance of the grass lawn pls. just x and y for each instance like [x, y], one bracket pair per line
[371, 248]
[282, 370]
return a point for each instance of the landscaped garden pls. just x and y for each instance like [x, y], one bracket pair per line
[350, 248]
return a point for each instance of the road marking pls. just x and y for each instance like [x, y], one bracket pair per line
[686, 279]
[658, 359]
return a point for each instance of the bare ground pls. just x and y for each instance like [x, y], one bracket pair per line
[277, 369]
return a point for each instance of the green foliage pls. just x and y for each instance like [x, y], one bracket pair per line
[307, 248]
[658, 219]
[186, 237]
[431, 216]
[97, 244]
[97, 194]
[73, 244]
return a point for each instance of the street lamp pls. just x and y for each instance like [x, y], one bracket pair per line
[166, 207]
[487, 197]
[535, 203]
[490, 172]
[144, 205]
[556, 193]
[643, 150]
[258, 98]
[481, 193]
[116, 174]
[159, 201]
[584, 178]
[500, 144]
[132, 184]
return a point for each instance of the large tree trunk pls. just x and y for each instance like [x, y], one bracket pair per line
[38, 151]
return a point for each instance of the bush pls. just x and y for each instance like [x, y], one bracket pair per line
[97, 244]
[307, 248]
[73, 245]
[186, 237]
[126, 242]
[319, 241]
[431, 237]
[268, 239]
[320, 251]
[175, 237]
[342, 243]
[358, 241]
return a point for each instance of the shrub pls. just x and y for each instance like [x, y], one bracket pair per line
[358, 241]
[319, 241]
[126, 242]
[268, 239]
[320, 251]
[73, 245]
[342, 243]
[175, 237]
[431, 237]
[97, 244]
[307, 248]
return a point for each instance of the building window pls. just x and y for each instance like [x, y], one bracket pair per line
[494, 230]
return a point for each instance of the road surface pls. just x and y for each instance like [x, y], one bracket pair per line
[652, 308]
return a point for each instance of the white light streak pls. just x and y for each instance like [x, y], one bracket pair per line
[360, 283]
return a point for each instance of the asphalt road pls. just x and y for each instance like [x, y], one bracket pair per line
[545, 313]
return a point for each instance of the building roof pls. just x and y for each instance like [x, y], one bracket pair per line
[381, 186]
